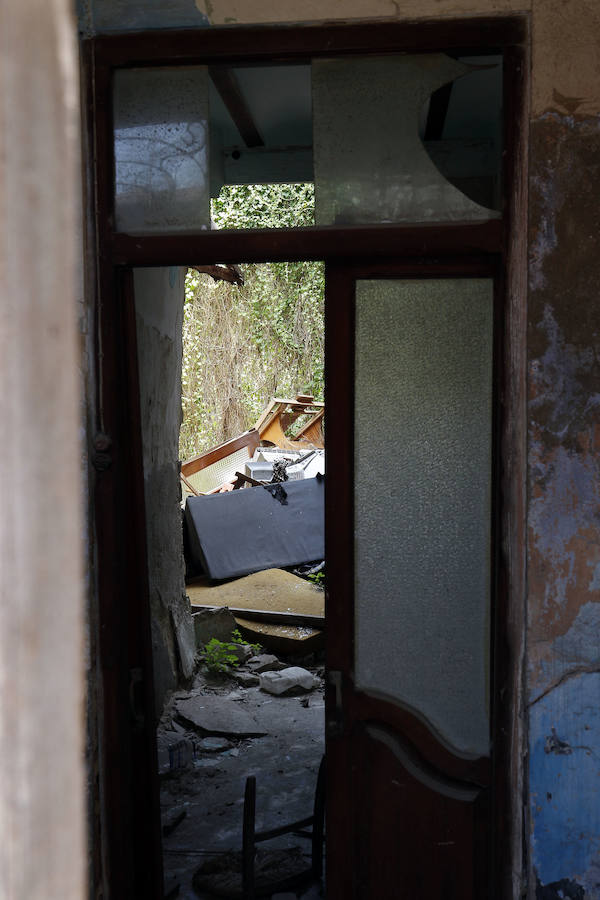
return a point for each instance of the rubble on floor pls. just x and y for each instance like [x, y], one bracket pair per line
[286, 681]
[205, 777]
[221, 876]
[210, 715]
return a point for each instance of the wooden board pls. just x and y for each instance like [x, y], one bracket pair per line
[273, 593]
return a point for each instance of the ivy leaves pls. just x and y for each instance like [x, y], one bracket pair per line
[244, 345]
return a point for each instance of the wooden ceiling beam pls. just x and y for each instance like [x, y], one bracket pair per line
[226, 83]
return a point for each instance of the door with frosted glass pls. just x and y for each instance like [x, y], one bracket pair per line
[410, 583]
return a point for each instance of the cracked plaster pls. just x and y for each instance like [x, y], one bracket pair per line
[564, 503]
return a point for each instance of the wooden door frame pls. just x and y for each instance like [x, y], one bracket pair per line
[117, 420]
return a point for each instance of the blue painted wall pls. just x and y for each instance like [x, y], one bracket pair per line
[563, 653]
[565, 785]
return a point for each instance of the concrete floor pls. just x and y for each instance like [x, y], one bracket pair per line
[210, 787]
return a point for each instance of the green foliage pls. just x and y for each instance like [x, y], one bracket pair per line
[237, 637]
[318, 578]
[264, 206]
[243, 345]
[219, 656]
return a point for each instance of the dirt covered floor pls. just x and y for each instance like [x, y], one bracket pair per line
[209, 740]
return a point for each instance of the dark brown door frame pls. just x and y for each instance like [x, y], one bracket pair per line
[132, 835]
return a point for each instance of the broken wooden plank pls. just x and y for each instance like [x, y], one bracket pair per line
[268, 615]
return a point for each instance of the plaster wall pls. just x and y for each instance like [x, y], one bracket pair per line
[562, 688]
[564, 497]
[42, 829]
[159, 297]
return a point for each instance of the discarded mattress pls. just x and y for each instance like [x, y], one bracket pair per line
[256, 528]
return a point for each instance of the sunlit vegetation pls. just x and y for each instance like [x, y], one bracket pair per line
[243, 345]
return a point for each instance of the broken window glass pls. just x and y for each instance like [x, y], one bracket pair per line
[371, 116]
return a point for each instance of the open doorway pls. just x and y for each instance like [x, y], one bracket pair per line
[225, 641]
[366, 233]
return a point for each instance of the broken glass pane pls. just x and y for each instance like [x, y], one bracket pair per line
[161, 149]
[371, 165]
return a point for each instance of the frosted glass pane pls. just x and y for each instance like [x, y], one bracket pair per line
[423, 500]
[161, 149]
[370, 163]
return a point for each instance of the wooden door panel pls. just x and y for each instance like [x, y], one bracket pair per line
[408, 800]
[416, 830]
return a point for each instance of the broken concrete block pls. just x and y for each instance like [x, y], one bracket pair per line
[265, 662]
[209, 714]
[184, 633]
[287, 680]
[214, 744]
[213, 623]
[242, 652]
[236, 695]
[206, 762]
[246, 679]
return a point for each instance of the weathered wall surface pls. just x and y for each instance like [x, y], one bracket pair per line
[159, 315]
[42, 827]
[564, 495]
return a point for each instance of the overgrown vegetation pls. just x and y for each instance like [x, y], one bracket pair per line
[243, 345]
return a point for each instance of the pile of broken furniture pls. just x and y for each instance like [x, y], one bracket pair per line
[254, 511]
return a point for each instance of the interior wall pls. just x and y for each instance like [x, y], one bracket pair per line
[159, 295]
[561, 712]
[564, 461]
[42, 836]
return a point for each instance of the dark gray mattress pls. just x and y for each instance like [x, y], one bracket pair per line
[256, 528]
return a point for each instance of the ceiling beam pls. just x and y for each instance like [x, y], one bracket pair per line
[226, 83]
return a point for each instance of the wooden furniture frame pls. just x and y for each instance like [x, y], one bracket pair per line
[131, 854]
[248, 441]
[250, 838]
[280, 414]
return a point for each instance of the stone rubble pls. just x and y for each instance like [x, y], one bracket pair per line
[265, 662]
[287, 680]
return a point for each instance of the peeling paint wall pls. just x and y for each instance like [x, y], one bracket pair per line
[564, 497]
[159, 317]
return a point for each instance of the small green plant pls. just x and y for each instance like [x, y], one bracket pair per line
[318, 578]
[219, 656]
[237, 637]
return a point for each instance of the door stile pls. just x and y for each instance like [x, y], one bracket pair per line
[132, 856]
[339, 553]
[147, 843]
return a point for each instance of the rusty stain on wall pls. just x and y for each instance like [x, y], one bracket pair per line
[564, 507]
[566, 57]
